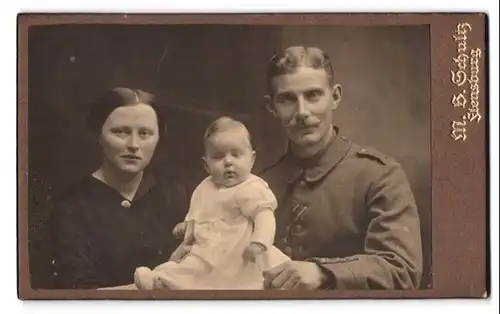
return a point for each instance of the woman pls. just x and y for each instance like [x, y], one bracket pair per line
[120, 217]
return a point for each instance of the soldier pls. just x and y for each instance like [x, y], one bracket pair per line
[347, 216]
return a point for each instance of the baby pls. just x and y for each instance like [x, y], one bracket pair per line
[230, 226]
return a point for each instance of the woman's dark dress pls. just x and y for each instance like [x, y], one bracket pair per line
[99, 243]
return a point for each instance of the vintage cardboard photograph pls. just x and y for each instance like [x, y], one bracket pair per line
[267, 156]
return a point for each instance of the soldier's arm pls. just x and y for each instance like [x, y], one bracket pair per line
[392, 258]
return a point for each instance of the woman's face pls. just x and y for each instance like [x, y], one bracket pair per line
[129, 137]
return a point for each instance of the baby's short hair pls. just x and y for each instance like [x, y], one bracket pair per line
[225, 123]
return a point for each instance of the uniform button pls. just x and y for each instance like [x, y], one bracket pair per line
[160, 252]
[302, 183]
[363, 150]
[297, 228]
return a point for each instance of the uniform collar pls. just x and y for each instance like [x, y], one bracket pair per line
[315, 168]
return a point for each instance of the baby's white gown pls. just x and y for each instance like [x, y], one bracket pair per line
[223, 229]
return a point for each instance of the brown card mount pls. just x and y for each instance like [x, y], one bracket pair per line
[415, 86]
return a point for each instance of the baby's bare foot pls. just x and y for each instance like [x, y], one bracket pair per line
[144, 278]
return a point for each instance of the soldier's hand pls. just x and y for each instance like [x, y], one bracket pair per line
[294, 275]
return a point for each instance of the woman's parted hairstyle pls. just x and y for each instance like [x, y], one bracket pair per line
[107, 101]
[292, 58]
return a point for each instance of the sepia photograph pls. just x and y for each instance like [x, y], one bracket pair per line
[226, 156]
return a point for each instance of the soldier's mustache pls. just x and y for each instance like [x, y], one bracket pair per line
[303, 123]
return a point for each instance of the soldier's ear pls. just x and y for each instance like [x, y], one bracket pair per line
[269, 105]
[336, 95]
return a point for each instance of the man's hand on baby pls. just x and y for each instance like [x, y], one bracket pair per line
[252, 251]
[180, 229]
[294, 275]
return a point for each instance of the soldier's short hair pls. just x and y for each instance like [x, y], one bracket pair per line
[292, 58]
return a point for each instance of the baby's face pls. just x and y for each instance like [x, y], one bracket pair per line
[229, 158]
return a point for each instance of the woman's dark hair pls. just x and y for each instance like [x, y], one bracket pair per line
[106, 102]
[292, 58]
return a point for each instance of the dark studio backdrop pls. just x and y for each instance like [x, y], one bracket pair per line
[202, 71]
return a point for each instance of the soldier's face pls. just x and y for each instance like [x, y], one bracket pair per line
[304, 102]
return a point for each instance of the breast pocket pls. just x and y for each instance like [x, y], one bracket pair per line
[332, 221]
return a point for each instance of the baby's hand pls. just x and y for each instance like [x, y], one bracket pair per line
[180, 229]
[252, 251]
